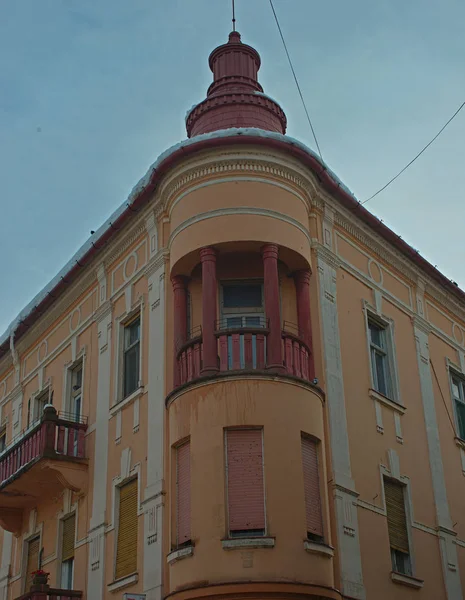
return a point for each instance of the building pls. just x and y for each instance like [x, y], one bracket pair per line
[243, 386]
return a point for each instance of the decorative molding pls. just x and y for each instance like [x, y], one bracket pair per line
[321, 549]
[179, 554]
[122, 583]
[407, 580]
[385, 401]
[251, 542]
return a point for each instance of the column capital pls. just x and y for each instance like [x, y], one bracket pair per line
[302, 276]
[270, 251]
[208, 254]
[179, 282]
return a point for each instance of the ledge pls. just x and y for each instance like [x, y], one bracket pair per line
[128, 400]
[407, 580]
[387, 401]
[123, 582]
[248, 542]
[321, 549]
[179, 554]
[243, 374]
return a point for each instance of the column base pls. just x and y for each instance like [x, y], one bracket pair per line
[209, 371]
[278, 369]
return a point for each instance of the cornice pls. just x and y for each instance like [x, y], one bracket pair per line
[256, 164]
[326, 255]
[156, 262]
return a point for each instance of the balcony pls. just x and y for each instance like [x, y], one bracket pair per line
[44, 592]
[244, 349]
[39, 463]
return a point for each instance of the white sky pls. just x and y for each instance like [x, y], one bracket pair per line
[91, 93]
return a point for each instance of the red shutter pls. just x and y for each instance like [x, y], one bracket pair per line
[246, 497]
[312, 487]
[183, 476]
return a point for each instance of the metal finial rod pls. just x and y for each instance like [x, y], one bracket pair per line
[234, 15]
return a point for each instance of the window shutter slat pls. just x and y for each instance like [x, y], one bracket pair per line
[312, 487]
[397, 521]
[246, 496]
[126, 552]
[67, 542]
[183, 478]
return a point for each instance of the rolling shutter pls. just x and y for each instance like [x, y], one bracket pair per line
[183, 482]
[246, 495]
[126, 550]
[67, 542]
[33, 549]
[397, 522]
[312, 487]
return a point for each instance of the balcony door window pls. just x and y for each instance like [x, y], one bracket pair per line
[67, 552]
[131, 359]
[36, 407]
[76, 393]
[32, 560]
[242, 307]
[458, 393]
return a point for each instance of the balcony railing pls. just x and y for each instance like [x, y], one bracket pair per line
[52, 437]
[43, 592]
[244, 349]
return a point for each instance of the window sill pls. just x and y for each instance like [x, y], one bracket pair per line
[128, 400]
[387, 401]
[460, 442]
[248, 542]
[407, 580]
[321, 549]
[179, 554]
[123, 582]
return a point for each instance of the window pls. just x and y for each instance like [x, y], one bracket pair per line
[397, 526]
[32, 560]
[76, 393]
[2, 438]
[67, 552]
[126, 550]
[311, 470]
[380, 367]
[36, 407]
[131, 358]
[183, 495]
[458, 393]
[246, 494]
[242, 306]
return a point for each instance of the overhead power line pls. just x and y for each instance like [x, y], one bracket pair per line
[417, 156]
[295, 78]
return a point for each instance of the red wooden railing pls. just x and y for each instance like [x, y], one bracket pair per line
[244, 349]
[43, 592]
[297, 356]
[51, 437]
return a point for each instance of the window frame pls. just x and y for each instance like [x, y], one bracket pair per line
[404, 482]
[67, 405]
[117, 505]
[25, 552]
[124, 321]
[241, 311]
[70, 560]
[319, 453]
[460, 379]
[247, 534]
[45, 393]
[392, 375]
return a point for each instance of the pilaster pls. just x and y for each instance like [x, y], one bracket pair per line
[5, 564]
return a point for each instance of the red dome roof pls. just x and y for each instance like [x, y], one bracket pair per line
[235, 98]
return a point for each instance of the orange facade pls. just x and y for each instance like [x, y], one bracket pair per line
[247, 392]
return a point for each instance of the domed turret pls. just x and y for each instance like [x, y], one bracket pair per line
[235, 98]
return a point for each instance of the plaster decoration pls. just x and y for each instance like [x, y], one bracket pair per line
[3, 389]
[75, 320]
[378, 298]
[152, 232]
[126, 239]
[375, 272]
[118, 426]
[457, 332]
[130, 266]
[136, 420]
[447, 535]
[128, 298]
[15, 359]
[125, 467]
[42, 351]
[73, 348]
[379, 417]
[398, 428]
[102, 284]
[461, 356]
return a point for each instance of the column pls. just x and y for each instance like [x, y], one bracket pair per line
[302, 288]
[274, 347]
[209, 310]
[179, 283]
[154, 493]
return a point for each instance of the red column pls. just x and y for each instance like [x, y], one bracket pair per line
[209, 310]
[271, 291]
[179, 283]
[302, 287]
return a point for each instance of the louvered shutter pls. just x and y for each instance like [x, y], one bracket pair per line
[126, 550]
[312, 487]
[183, 482]
[33, 549]
[67, 542]
[246, 497]
[397, 522]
